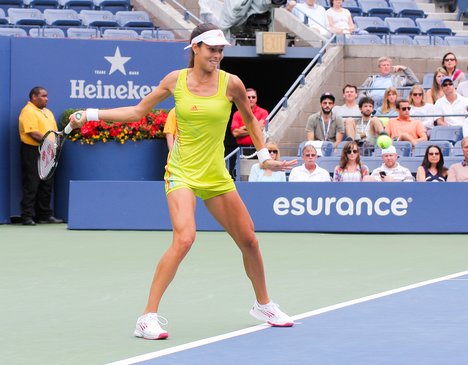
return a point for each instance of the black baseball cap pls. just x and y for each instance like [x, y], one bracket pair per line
[327, 96]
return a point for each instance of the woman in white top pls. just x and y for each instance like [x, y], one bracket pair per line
[419, 108]
[259, 174]
[339, 18]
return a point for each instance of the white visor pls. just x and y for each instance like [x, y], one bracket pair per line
[213, 37]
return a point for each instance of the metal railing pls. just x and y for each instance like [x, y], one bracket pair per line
[186, 14]
[300, 81]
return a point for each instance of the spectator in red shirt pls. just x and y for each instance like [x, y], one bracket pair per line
[238, 129]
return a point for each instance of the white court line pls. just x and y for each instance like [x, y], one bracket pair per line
[206, 341]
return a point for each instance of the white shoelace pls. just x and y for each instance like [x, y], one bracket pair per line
[154, 316]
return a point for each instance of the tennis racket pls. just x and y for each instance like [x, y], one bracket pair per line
[49, 150]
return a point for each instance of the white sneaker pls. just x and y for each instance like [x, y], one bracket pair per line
[148, 327]
[271, 314]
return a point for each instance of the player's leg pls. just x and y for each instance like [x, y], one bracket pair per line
[182, 211]
[229, 210]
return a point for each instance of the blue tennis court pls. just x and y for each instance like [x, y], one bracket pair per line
[425, 323]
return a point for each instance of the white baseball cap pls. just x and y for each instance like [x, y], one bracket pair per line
[213, 37]
[389, 150]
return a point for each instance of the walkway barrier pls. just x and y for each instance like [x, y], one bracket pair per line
[282, 207]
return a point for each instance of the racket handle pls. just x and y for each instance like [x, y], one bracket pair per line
[68, 129]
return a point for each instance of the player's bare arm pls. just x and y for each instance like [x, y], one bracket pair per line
[136, 112]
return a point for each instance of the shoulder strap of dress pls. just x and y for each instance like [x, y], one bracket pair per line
[223, 82]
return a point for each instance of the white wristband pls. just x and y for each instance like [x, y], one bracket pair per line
[263, 155]
[92, 114]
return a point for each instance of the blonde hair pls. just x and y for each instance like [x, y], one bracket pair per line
[413, 89]
[382, 59]
[273, 146]
[386, 107]
[435, 85]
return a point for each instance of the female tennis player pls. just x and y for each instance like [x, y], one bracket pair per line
[195, 167]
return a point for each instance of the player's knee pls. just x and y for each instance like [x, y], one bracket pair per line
[250, 242]
[183, 243]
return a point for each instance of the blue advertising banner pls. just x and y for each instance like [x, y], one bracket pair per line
[282, 207]
[84, 73]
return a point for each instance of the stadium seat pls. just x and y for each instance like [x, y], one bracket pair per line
[62, 17]
[371, 162]
[328, 163]
[446, 133]
[85, 33]
[324, 3]
[98, 18]
[353, 7]
[120, 34]
[41, 4]
[427, 40]
[7, 4]
[135, 19]
[420, 147]
[403, 149]
[462, 9]
[402, 26]
[407, 9]
[77, 5]
[47, 33]
[433, 27]
[411, 163]
[365, 39]
[112, 5]
[25, 17]
[401, 39]
[13, 32]
[427, 80]
[157, 34]
[326, 148]
[3, 18]
[372, 24]
[456, 40]
[457, 149]
[377, 8]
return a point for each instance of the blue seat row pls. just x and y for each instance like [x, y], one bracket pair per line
[87, 33]
[403, 25]
[111, 5]
[403, 39]
[70, 17]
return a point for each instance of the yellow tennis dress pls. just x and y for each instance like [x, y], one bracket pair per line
[197, 158]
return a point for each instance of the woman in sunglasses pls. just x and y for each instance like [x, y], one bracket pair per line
[350, 167]
[449, 63]
[257, 173]
[432, 168]
[420, 109]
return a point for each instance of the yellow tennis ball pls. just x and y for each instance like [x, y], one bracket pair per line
[384, 141]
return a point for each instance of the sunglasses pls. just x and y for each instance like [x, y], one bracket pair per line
[417, 94]
[310, 155]
[405, 108]
[251, 97]
[447, 84]
[272, 151]
[351, 151]
[449, 59]
[433, 153]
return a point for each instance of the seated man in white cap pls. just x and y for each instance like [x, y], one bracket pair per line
[391, 170]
